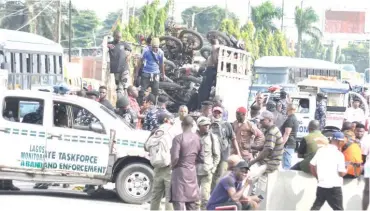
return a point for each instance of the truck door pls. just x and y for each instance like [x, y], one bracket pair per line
[22, 133]
[305, 113]
[78, 148]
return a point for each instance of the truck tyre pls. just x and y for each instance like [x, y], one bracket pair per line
[222, 37]
[194, 37]
[205, 51]
[169, 65]
[134, 183]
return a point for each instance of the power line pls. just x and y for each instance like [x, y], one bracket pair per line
[15, 13]
[36, 15]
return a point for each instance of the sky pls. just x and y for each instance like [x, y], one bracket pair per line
[239, 7]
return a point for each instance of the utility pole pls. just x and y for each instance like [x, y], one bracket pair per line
[249, 10]
[226, 12]
[70, 30]
[282, 15]
[58, 24]
[193, 20]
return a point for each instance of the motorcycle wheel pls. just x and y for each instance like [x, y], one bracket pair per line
[171, 46]
[193, 39]
[205, 52]
[169, 65]
[223, 39]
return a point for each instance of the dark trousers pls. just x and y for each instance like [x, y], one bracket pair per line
[184, 205]
[333, 196]
[365, 197]
[296, 167]
[147, 81]
[207, 83]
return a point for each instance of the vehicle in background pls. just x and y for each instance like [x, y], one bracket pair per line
[367, 75]
[338, 99]
[30, 59]
[234, 74]
[288, 71]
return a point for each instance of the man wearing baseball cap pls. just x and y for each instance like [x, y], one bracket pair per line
[329, 167]
[212, 156]
[230, 190]
[246, 133]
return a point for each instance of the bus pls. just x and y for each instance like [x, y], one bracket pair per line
[288, 71]
[30, 59]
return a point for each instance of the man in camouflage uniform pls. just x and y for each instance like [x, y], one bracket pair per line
[151, 119]
[34, 117]
[320, 113]
[84, 117]
[126, 112]
[284, 102]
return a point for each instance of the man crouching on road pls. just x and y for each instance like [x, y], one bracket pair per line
[229, 191]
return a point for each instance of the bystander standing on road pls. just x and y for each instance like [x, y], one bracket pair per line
[355, 113]
[177, 129]
[328, 166]
[218, 102]
[212, 157]
[103, 98]
[289, 131]
[186, 153]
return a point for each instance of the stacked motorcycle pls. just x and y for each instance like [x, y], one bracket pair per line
[183, 77]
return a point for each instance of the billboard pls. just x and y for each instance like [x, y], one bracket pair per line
[347, 22]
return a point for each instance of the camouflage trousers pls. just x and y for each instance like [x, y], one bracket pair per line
[220, 172]
[161, 187]
[205, 183]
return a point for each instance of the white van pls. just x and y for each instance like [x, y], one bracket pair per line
[105, 150]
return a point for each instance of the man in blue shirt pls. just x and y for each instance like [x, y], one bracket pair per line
[230, 189]
[152, 68]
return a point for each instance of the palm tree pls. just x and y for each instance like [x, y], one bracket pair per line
[304, 21]
[263, 15]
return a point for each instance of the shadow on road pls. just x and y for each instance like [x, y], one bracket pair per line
[106, 195]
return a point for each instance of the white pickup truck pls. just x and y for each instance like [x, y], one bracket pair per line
[43, 150]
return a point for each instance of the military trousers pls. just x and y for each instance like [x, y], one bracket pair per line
[220, 172]
[161, 187]
[204, 182]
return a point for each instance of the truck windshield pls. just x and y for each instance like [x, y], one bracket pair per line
[271, 78]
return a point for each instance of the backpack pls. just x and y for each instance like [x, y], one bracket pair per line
[219, 130]
[159, 151]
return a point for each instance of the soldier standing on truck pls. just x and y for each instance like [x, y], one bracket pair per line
[119, 55]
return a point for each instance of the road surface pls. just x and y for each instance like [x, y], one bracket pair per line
[66, 197]
[60, 197]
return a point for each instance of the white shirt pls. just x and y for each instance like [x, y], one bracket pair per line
[177, 130]
[329, 161]
[355, 115]
[365, 144]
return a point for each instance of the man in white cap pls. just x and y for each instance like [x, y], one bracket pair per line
[212, 156]
[152, 68]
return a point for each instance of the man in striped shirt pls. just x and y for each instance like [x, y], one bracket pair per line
[271, 153]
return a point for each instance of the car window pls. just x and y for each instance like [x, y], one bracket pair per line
[302, 105]
[73, 116]
[24, 110]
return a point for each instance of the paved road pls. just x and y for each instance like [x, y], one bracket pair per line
[66, 197]
[57, 196]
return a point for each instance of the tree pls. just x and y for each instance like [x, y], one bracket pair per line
[304, 21]
[263, 15]
[85, 25]
[358, 55]
[35, 18]
[206, 18]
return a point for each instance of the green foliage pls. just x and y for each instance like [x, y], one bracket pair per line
[263, 16]
[358, 55]
[206, 18]
[304, 20]
[258, 43]
[85, 25]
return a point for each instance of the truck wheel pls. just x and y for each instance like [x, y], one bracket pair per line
[192, 39]
[134, 183]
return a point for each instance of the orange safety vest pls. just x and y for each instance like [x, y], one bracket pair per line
[353, 156]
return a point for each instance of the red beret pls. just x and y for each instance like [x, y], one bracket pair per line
[242, 110]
